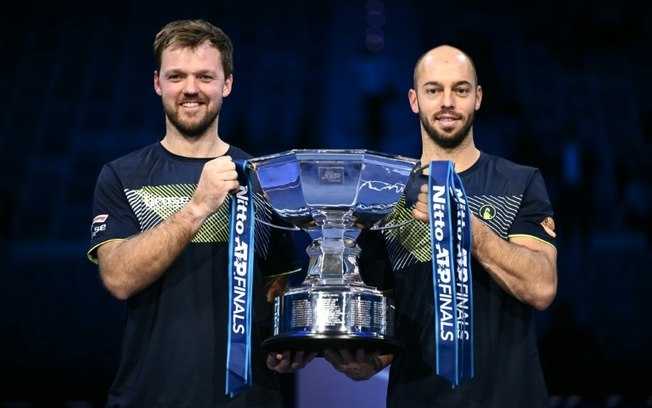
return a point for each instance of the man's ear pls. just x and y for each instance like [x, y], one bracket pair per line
[478, 97]
[228, 85]
[157, 84]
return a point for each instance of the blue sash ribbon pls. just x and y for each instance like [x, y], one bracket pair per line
[450, 226]
[241, 258]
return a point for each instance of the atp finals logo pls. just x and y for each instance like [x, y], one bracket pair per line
[487, 212]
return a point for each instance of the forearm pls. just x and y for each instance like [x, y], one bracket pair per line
[524, 267]
[129, 266]
[383, 361]
[274, 287]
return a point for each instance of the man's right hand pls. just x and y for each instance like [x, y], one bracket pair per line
[289, 361]
[218, 178]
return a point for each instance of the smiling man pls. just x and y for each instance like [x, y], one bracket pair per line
[161, 236]
[512, 272]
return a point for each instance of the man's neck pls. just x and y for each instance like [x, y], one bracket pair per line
[463, 156]
[205, 146]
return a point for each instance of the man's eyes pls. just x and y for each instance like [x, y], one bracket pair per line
[179, 77]
[459, 91]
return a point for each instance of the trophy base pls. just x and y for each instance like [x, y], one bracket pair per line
[333, 316]
[320, 342]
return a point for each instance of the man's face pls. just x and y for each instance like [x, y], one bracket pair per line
[446, 97]
[192, 86]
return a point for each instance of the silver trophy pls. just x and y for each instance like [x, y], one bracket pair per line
[332, 195]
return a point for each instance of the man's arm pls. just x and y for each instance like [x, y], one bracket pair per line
[524, 267]
[129, 266]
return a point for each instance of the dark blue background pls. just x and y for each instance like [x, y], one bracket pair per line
[566, 88]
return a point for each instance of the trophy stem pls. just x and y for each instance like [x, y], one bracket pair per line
[333, 262]
[333, 253]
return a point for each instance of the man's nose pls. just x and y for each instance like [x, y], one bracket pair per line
[447, 99]
[190, 86]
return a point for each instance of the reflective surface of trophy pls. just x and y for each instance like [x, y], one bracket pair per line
[332, 195]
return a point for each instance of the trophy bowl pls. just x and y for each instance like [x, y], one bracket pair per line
[332, 195]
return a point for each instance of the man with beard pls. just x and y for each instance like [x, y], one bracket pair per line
[513, 266]
[161, 237]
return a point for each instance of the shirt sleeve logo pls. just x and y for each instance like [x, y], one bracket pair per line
[548, 225]
[487, 212]
[100, 218]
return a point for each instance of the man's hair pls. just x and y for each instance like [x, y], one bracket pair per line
[192, 33]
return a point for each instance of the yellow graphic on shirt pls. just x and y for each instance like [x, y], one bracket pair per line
[154, 204]
[414, 237]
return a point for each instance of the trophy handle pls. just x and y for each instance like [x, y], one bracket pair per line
[418, 170]
[293, 228]
[377, 227]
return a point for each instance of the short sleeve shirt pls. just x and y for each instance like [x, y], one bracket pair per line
[175, 331]
[512, 200]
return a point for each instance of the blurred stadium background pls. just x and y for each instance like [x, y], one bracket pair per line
[566, 88]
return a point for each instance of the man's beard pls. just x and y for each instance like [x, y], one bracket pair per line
[188, 128]
[448, 140]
